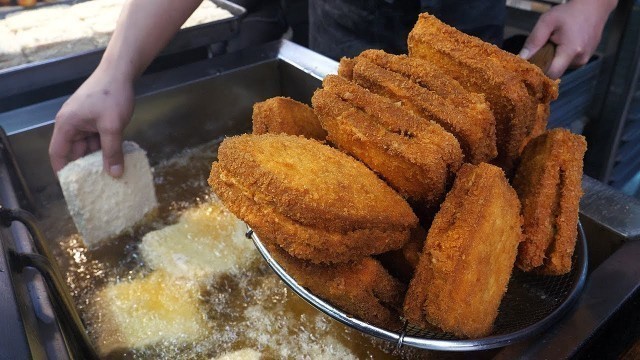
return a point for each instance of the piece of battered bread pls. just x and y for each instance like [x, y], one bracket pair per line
[417, 158]
[410, 81]
[513, 87]
[318, 203]
[362, 288]
[468, 256]
[548, 182]
[156, 309]
[282, 115]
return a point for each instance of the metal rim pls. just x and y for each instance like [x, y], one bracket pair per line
[402, 339]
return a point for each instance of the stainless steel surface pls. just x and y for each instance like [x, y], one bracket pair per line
[203, 101]
[608, 288]
[531, 305]
[21, 79]
[43, 261]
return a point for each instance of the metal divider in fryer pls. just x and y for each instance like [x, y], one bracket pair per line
[30, 254]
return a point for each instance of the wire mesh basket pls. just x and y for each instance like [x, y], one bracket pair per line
[531, 304]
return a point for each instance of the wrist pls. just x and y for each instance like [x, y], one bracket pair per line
[604, 7]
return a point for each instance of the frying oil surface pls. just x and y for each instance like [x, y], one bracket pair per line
[246, 307]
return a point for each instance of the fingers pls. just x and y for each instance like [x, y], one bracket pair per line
[111, 142]
[539, 36]
[562, 60]
[60, 146]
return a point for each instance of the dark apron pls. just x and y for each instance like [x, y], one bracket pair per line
[345, 28]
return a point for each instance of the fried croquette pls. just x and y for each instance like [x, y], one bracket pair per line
[475, 133]
[548, 182]
[416, 157]
[284, 115]
[468, 255]
[429, 93]
[542, 118]
[362, 288]
[318, 203]
[513, 91]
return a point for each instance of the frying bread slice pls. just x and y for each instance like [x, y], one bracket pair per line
[158, 308]
[207, 240]
[468, 256]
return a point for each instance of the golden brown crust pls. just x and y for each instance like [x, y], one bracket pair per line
[548, 182]
[361, 288]
[282, 115]
[513, 107]
[315, 244]
[313, 184]
[542, 118]
[415, 157]
[468, 256]
[476, 134]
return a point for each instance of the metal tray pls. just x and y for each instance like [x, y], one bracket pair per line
[531, 304]
[41, 74]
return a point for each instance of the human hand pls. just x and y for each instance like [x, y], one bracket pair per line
[94, 117]
[575, 27]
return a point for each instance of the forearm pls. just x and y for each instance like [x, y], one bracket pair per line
[143, 29]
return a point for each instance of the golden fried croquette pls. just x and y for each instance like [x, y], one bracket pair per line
[548, 182]
[362, 288]
[468, 256]
[513, 91]
[284, 115]
[475, 131]
[417, 158]
[316, 202]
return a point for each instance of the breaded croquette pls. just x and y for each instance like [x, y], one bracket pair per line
[417, 158]
[282, 115]
[468, 256]
[513, 87]
[316, 202]
[362, 288]
[475, 131]
[548, 182]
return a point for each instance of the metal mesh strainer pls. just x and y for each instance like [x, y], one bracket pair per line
[532, 304]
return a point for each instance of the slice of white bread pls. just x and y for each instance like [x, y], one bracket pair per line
[244, 354]
[208, 240]
[10, 52]
[156, 309]
[101, 206]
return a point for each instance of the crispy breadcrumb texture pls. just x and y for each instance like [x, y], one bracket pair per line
[362, 288]
[283, 115]
[549, 184]
[474, 67]
[417, 158]
[312, 183]
[316, 244]
[468, 256]
[475, 131]
[316, 202]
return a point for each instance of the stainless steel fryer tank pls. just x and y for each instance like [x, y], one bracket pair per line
[192, 105]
